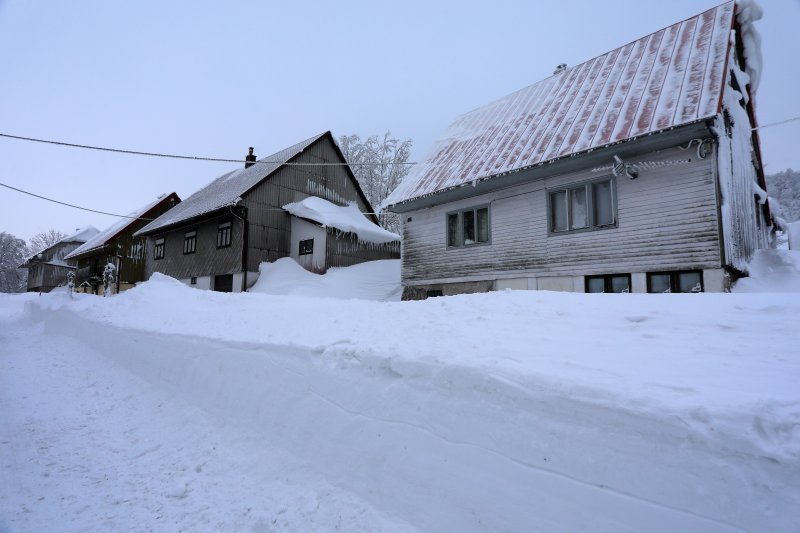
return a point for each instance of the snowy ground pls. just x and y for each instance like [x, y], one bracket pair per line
[168, 407]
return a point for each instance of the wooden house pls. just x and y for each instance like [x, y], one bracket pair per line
[116, 244]
[216, 238]
[636, 171]
[49, 268]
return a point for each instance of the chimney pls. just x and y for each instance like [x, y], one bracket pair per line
[250, 160]
[560, 68]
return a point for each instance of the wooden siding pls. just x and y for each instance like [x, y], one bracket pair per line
[344, 249]
[269, 225]
[45, 277]
[129, 251]
[667, 219]
[208, 260]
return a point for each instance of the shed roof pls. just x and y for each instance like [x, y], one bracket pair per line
[111, 232]
[666, 79]
[226, 189]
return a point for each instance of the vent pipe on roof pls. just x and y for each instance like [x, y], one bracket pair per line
[250, 160]
[560, 68]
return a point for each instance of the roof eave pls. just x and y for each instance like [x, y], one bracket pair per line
[655, 140]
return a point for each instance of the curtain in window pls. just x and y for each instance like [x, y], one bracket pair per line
[603, 208]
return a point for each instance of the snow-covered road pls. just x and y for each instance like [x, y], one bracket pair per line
[86, 445]
[515, 411]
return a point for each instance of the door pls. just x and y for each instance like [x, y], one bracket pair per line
[223, 283]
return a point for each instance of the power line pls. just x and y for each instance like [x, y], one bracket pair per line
[114, 214]
[777, 123]
[70, 205]
[192, 157]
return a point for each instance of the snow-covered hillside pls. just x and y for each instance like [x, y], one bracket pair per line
[510, 411]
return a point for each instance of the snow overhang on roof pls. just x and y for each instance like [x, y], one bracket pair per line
[664, 80]
[348, 219]
[224, 191]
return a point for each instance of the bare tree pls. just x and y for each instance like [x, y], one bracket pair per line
[46, 239]
[386, 159]
[13, 253]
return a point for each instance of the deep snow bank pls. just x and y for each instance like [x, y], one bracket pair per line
[772, 271]
[504, 411]
[373, 280]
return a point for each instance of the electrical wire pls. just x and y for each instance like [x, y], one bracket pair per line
[70, 205]
[777, 123]
[192, 157]
[124, 216]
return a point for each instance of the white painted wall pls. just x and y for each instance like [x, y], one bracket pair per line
[302, 230]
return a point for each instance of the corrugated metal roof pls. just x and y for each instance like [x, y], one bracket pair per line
[671, 77]
[102, 238]
[224, 190]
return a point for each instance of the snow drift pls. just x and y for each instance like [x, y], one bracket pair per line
[503, 411]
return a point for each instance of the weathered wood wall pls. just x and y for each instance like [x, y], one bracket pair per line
[344, 249]
[208, 260]
[667, 219]
[269, 224]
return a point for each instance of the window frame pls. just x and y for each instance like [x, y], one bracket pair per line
[159, 248]
[304, 248]
[674, 280]
[607, 283]
[190, 242]
[588, 186]
[459, 213]
[222, 226]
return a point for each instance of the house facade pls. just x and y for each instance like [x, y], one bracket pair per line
[117, 245]
[217, 238]
[50, 267]
[636, 171]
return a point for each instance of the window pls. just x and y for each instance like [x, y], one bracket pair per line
[467, 227]
[585, 206]
[433, 293]
[619, 283]
[307, 247]
[190, 242]
[681, 281]
[224, 234]
[193, 280]
[158, 252]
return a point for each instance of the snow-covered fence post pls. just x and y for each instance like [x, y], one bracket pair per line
[71, 282]
[108, 278]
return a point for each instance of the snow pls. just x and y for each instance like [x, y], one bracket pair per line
[82, 234]
[507, 411]
[102, 237]
[227, 190]
[772, 271]
[373, 280]
[747, 13]
[348, 219]
[663, 80]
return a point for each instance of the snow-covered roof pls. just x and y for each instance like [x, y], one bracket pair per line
[103, 237]
[343, 218]
[81, 235]
[668, 78]
[226, 189]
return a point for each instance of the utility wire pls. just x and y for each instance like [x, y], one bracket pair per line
[192, 157]
[122, 216]
[777, 123]
[70, 205]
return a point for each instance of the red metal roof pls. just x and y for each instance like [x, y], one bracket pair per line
[671, 77]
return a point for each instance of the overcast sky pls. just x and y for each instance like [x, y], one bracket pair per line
[212, 78]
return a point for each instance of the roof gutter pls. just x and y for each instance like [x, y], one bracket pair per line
[559, 164]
